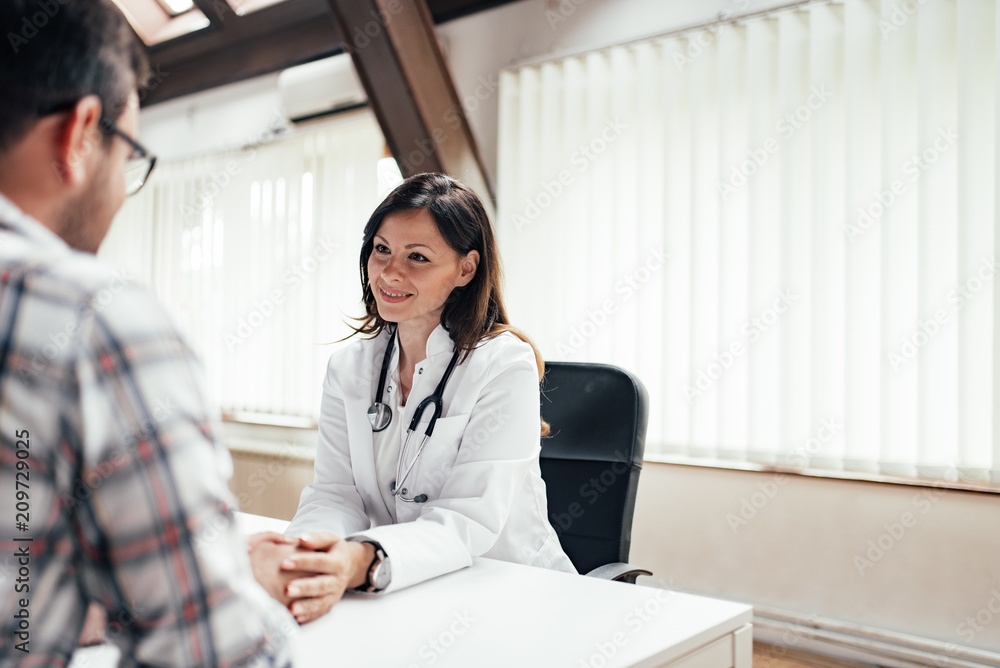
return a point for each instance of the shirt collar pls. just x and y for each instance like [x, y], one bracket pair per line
[12, 217]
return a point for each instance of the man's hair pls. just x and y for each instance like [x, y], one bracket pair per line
[55, 52]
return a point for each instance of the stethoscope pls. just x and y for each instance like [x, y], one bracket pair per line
[380, 415]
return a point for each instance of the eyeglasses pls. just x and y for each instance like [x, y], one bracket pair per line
[140, 164]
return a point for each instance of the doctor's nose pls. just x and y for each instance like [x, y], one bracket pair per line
[392, 270]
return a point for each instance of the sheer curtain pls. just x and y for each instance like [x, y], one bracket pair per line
[255, 253]
[784, 225]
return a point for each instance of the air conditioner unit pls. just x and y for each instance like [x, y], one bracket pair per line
[320, 87]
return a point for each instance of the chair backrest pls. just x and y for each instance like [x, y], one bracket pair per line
[592, 459]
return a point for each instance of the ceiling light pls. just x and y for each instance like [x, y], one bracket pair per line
[178, 6]
[154, 22]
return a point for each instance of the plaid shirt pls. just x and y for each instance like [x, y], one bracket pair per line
[112, 485]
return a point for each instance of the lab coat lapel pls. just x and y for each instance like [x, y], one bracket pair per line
[357, 400]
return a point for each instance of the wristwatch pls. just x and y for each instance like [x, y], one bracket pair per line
[379, 572]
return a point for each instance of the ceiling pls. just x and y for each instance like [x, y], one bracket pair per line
[223, 46]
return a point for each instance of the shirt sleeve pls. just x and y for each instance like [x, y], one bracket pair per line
[499, 447]
[160, 548]
[332, 502]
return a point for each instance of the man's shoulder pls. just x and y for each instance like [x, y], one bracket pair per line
[85, 285]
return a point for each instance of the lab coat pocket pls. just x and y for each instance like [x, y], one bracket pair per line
[435, 463]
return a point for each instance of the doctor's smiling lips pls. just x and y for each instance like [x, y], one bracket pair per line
[392, 297]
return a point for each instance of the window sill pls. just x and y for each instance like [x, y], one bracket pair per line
[736, 465]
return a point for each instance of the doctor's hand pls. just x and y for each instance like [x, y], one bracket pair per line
[336, 566]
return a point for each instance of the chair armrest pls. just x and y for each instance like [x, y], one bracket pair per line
[618, 572]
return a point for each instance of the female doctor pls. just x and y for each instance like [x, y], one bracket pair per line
[386, 509]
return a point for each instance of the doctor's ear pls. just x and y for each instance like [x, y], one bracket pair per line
[468, 266]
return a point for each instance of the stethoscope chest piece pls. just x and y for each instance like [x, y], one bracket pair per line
[380, 416]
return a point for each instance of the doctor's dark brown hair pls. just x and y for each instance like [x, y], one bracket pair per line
[472, 313]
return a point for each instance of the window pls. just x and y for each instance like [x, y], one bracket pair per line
[256, 254]
[785, 225]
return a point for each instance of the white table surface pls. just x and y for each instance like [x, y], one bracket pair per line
[501, 614]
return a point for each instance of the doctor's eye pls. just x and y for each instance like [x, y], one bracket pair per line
[381, 249]
[418, 257]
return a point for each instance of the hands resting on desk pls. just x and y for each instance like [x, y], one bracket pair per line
[311, 573]
[308, 575]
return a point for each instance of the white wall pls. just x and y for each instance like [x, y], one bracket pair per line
[914, 560]
[224, 118]
[797, 552]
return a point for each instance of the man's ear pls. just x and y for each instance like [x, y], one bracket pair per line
[468, 265]
[78, 137]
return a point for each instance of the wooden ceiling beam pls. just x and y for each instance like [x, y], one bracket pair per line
[235, 47]
[402, 67]
[273, 52]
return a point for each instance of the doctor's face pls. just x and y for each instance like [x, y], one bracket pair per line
[412, 269]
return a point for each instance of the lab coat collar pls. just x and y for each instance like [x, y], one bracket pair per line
[439, 342]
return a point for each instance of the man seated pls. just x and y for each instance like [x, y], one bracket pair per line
[112, 484]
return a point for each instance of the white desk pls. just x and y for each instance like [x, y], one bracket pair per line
[501, 614]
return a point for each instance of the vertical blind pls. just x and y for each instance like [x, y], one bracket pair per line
[255, 254]
[784, 225]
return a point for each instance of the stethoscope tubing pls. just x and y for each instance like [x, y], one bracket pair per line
[378, 412]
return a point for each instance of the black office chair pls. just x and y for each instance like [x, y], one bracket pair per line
[591, 462]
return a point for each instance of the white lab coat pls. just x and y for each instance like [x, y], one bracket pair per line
[479, 469]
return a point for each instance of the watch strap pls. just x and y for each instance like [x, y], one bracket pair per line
[379, 557]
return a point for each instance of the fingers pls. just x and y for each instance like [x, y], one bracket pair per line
[269, 536]
[314, 562]
[306, 610]
[319, 540]
[312, 587]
